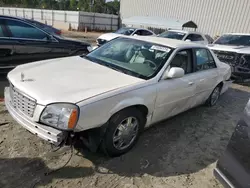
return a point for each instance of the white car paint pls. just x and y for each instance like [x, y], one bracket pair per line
[110, 36]
[187, 33]
[101, 92]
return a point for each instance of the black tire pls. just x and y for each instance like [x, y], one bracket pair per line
[210, 101]
[107, 143]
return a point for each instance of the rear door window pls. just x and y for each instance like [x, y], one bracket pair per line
[22, 30]
[204, 60]
[195, 37]
[146, 33]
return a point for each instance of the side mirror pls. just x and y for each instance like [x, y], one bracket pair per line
[174, 72]
[135, 35]
[188, 40]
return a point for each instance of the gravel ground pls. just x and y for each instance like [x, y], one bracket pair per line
[179, 152]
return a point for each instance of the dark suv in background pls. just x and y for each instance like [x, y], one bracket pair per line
[22, 42]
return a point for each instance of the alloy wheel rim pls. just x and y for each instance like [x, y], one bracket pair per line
[125, 133]
[215, 95]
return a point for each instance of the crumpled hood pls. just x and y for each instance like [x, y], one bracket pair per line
[229, 48]
[109, 36]
[71, 79]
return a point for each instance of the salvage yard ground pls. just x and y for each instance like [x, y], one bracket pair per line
[180, 152]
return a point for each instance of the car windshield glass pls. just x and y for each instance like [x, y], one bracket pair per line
[236, 40]
[125, 31]
[130, 56]
[172, 35]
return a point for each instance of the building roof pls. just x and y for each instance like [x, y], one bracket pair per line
[166, 41]
[242, 34]
[158, 22]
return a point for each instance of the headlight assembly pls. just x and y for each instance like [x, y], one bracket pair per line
[60, 115]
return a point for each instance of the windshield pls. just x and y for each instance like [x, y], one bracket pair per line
[172, 35]
[125, 31]
[130, 56]
[236, 40]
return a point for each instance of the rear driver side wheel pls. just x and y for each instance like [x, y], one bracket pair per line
[215, 95]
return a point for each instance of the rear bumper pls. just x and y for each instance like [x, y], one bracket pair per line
[49, 134]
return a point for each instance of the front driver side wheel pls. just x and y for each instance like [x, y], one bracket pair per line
[123, 131]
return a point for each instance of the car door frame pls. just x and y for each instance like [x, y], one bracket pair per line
[188, 81]
[200, 41]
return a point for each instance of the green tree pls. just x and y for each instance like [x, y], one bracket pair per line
[113, 7]
[72, 4]
[84, 5]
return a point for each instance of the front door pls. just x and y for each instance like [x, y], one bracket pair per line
[176, 95]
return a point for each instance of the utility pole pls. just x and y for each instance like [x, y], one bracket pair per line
[92, 2]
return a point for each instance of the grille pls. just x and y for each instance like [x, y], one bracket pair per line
[244, 61]
[226, 57]
[22, 102]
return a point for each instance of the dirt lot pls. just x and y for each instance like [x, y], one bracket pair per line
[180, 152]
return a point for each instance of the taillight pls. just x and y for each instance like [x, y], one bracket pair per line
[58, 32]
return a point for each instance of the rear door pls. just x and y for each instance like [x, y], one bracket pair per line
[6, 49]
[33, 44]
[206, 74]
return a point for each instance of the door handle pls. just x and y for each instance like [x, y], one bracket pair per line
[202, 80]
[191, 83]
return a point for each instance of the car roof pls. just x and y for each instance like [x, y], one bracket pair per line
[243, 34]
[185, 31]
[12, 17]
[166, 41]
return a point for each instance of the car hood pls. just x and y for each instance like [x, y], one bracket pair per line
[71, 79]
[230, 48]
[109, 36]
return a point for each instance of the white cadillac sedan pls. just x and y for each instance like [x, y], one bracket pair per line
[111, 95]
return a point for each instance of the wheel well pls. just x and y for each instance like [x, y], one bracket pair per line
[221, 85]
[139, 107]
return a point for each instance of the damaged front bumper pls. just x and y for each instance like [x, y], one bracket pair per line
[49, 134]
